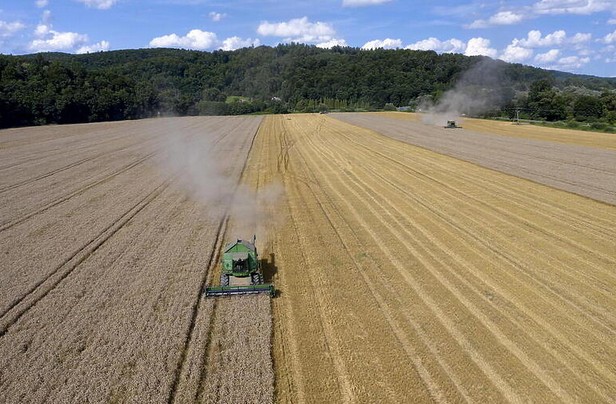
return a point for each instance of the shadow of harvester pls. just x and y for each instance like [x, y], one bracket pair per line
[269, 269]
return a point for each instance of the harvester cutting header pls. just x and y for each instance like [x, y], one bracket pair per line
[241, 272]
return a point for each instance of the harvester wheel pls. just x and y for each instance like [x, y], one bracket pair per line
[224, 280]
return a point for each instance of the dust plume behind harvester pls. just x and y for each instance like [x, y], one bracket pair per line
[241, 272]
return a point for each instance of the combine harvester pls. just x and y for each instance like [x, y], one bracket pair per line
[451, 125]
[241, 271]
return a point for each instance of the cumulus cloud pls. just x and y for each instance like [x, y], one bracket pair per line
[480, 47]
[8, 29]
[100, 4]
[473, 47]
[386, 43]
[609, 38]
[360, 3]
[572, 62]
[516, 54]
[202, 40]
[235, 42]
[501, 18]
[296, 27]
[298, 30]
[548, 57]
[580, 7]
[97, 47]
[521, 50]
[580, 38]
[194, 39]
[46, 39]
[449, 46]
[58, 41]
[612, 21]
[41, 3]
[214, 16]
[535, 39]
[331, 43]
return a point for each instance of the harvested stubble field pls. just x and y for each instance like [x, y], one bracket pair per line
[404, 274]
[106, 242]
[408, 275]
[553, 157]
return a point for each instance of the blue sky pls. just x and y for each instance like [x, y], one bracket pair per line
[570, 35]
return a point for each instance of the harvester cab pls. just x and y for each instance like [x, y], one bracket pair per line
[241, 272]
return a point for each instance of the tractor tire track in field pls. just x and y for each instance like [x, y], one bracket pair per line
[13, 313]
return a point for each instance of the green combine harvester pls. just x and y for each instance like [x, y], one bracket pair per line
[241, 271]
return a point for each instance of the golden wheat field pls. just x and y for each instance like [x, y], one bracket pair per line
[413, 264]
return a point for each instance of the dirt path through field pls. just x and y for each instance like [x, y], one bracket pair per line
[587, 171]
[410, 274]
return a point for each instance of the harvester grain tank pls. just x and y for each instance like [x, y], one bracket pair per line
[241, 272]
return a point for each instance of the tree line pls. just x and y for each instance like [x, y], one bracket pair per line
[56, 88]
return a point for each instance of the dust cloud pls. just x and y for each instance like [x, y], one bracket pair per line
[477, 91]
[209, 173]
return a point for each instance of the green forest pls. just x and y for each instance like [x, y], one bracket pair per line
[56, 88]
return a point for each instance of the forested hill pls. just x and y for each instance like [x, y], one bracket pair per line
[129, 84]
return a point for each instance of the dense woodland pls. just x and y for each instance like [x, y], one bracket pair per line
[130, 84]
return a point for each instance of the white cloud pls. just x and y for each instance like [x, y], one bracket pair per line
[609, 38]
[97, 47]
[501, 18]
[612, 21]
[386, 43]
[449, 46]
[298, 30]
[360, 3]
[297, 27]
[214, 16]
[535, 39]
[41, 3]
[479, 47]
[331, 43]
[572, 62]
[580, 38]
[58, 41]
[580, 7]
[100, 4]
[548, 57]
[195, 39]
[235, 42]
[42, 30]
[516, 54]
[10, 28]
[49, 40]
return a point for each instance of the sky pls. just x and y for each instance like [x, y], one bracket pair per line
[577, 36]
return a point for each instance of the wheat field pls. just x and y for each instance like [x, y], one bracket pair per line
[412, 264]
[409, 275]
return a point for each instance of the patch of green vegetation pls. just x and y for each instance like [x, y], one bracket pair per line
[236, 98]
